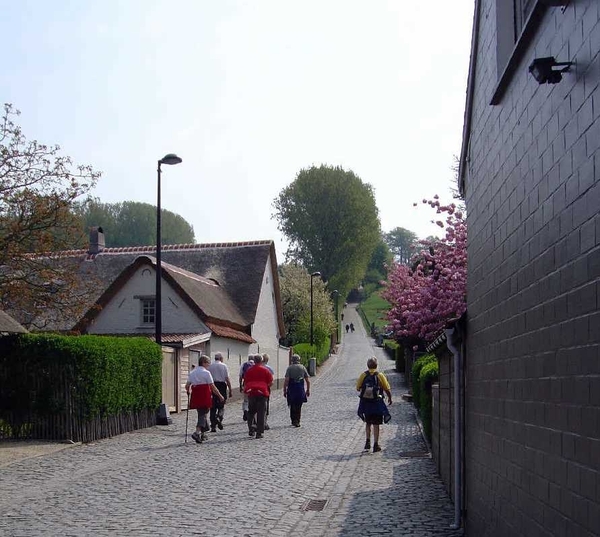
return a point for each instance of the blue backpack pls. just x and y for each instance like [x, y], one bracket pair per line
[370, 388]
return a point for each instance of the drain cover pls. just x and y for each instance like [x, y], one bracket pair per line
[414, 455]
[314, 505]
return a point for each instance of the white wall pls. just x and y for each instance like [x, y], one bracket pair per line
[265, 329]
[123, 314]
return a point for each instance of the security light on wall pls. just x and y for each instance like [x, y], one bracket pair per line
[543, 70]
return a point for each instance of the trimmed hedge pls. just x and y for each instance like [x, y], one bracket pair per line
[89, 377]
[425, 372]
[306, 351]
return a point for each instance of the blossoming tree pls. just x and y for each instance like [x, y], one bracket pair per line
[431, 290]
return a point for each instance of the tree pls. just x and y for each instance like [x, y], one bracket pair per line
[432, 290]
[294, 282]
[377, 270]
[38, 189]
[402, 243]
[331, 221]
[131, 223]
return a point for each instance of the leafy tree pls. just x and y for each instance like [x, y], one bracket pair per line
[294, 283]
[402, 243]
[332, 223]
[377, 270]
[131, 223]
[432, 290]
[38, 189]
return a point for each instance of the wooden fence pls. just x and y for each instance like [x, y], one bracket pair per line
[47, 407]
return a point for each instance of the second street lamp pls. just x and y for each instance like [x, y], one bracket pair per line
[336, 294]
[312, 339]
[170, 159]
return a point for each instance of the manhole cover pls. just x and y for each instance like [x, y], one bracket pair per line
[314, 505]
[414, 455]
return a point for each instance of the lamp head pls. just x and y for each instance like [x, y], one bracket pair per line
[170, 158]
[315, 274]
[542, 69]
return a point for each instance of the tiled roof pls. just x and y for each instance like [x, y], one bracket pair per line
[230, 333]
[234, 269]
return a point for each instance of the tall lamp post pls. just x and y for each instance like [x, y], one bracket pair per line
[312, 342]
[336, 295]
[170, 159]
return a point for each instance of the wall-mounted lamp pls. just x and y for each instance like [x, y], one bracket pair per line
[543, 70]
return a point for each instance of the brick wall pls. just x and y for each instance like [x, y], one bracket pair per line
[533, 366]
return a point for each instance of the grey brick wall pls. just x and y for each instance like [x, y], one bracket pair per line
[532, 432]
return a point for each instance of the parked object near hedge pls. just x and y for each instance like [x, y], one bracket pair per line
[79, 388]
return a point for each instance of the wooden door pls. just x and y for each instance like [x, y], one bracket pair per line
[169, 378]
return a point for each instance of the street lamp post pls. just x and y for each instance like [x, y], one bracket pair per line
[170, 159]
[336, 294]
[312, 342]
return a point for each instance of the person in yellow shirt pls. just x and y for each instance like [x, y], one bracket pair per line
[372, 409]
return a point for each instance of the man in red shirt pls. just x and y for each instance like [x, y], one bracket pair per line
[257, 385]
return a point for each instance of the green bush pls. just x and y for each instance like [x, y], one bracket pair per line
[425, 372]
[306, 351]
[101, 375]
[429, 375]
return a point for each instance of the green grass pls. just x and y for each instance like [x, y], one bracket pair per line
[374, 309]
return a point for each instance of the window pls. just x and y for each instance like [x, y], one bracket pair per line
[511, 17]
[148, 310]
[516, 24]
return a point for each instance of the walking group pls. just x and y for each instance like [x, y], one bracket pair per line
[209, 387]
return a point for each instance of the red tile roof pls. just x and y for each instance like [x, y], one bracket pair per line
[231, 333]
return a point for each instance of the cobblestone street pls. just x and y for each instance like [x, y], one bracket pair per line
[151, 482]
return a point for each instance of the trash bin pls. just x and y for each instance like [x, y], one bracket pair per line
[312, 366]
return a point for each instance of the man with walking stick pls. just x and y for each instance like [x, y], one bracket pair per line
[200, 388]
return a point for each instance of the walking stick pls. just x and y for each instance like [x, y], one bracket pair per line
[187, 414]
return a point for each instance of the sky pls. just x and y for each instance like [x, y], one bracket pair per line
[247, 93]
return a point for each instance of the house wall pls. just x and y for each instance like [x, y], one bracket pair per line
[122, 315]
[265, 329]
[533, 366]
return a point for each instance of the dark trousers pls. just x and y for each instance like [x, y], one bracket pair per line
[217, 411]
[257, 408]
[295, 413]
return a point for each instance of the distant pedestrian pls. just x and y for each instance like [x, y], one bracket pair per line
[257, 385]
[243, 368]
[342, 316]
[265, 357]
[372, 409]
[200, 387]
[293, 389]
[220, 374]
[347, 328]
[351, 327]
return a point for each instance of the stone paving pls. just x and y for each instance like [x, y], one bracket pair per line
[151, 482]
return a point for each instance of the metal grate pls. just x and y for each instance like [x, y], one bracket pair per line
[314, 505]
[414, 455]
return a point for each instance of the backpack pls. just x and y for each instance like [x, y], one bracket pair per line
[370, 388]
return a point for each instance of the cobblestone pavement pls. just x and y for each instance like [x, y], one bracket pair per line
[151, 482]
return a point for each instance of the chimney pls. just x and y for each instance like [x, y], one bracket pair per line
[96, 240]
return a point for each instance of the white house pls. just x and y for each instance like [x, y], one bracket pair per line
[220, 297]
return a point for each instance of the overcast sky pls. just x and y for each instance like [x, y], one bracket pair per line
[247, 93]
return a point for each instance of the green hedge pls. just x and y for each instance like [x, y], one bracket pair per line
[306, 351]
[425, 372]
[101, 375]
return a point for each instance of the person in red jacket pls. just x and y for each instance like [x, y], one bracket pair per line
[200, 386]
[257, 385]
